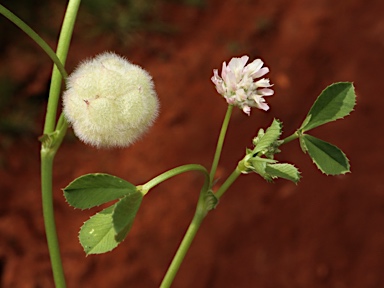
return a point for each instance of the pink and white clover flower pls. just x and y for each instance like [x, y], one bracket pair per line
[240, 85]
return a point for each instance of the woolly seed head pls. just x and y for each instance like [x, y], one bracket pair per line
[110, 102]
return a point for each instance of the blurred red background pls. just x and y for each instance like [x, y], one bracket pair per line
[324, 232]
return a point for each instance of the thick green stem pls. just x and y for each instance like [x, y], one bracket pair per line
[220, 142]
[201, 209]
[51, 143]
[49, 219]
[183, 249]
[62, 52]
[235, 174]
[201, 212]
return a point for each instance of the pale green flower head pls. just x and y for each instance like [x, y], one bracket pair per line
[110, 102]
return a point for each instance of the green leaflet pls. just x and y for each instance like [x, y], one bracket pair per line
[264, 140]
[327, 157]
[93, 190]
[335, 102]
[97, 235]
[106, 229]
[283, 170]
[125, 212]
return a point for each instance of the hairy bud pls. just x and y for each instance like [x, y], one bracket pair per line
[110, 102]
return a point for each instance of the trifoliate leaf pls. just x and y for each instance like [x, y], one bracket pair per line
[270, 136]
[335, 102]
[124, 214]
[92, 190]
[97, 235]
[327, 157]
[283, 170]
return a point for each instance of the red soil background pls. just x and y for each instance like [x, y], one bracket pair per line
[324, 232]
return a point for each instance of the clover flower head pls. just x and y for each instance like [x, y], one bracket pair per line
[109, 101]
[240, 85]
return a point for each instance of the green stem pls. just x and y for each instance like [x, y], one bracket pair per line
[182, 251]
[220, 142]
[51, 144]
[235, 174]
[49, 220]
[291, 137]
[171, 173]
[39, 41]
[200, 213]
[201, 209]
[61, 130]
[62, 52]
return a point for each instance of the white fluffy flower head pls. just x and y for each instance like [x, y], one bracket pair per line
[240, 86]
[110, 102]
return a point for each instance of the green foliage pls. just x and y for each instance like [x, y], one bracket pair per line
[124, 214]
[327, 157]
[283, 170]
[260, 158]
[93, 190]
[269, 169]
[97, 235]
[106, 229]
[264, 141]
[335, 102]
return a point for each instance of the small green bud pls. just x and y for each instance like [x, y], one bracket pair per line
[110, 102]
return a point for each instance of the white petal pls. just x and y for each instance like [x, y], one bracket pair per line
[266, 92]
[240, 95]
[263, 83]
[218, 82]
[260, 102]
[247, 109]
[246, 83]
[238, 63]
[216, 78]
[224, 70]
[253, 67]
[264, 106]
[230, 100]
[230, 80]
[260, 73]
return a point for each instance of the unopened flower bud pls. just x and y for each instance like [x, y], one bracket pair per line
[110, 102]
